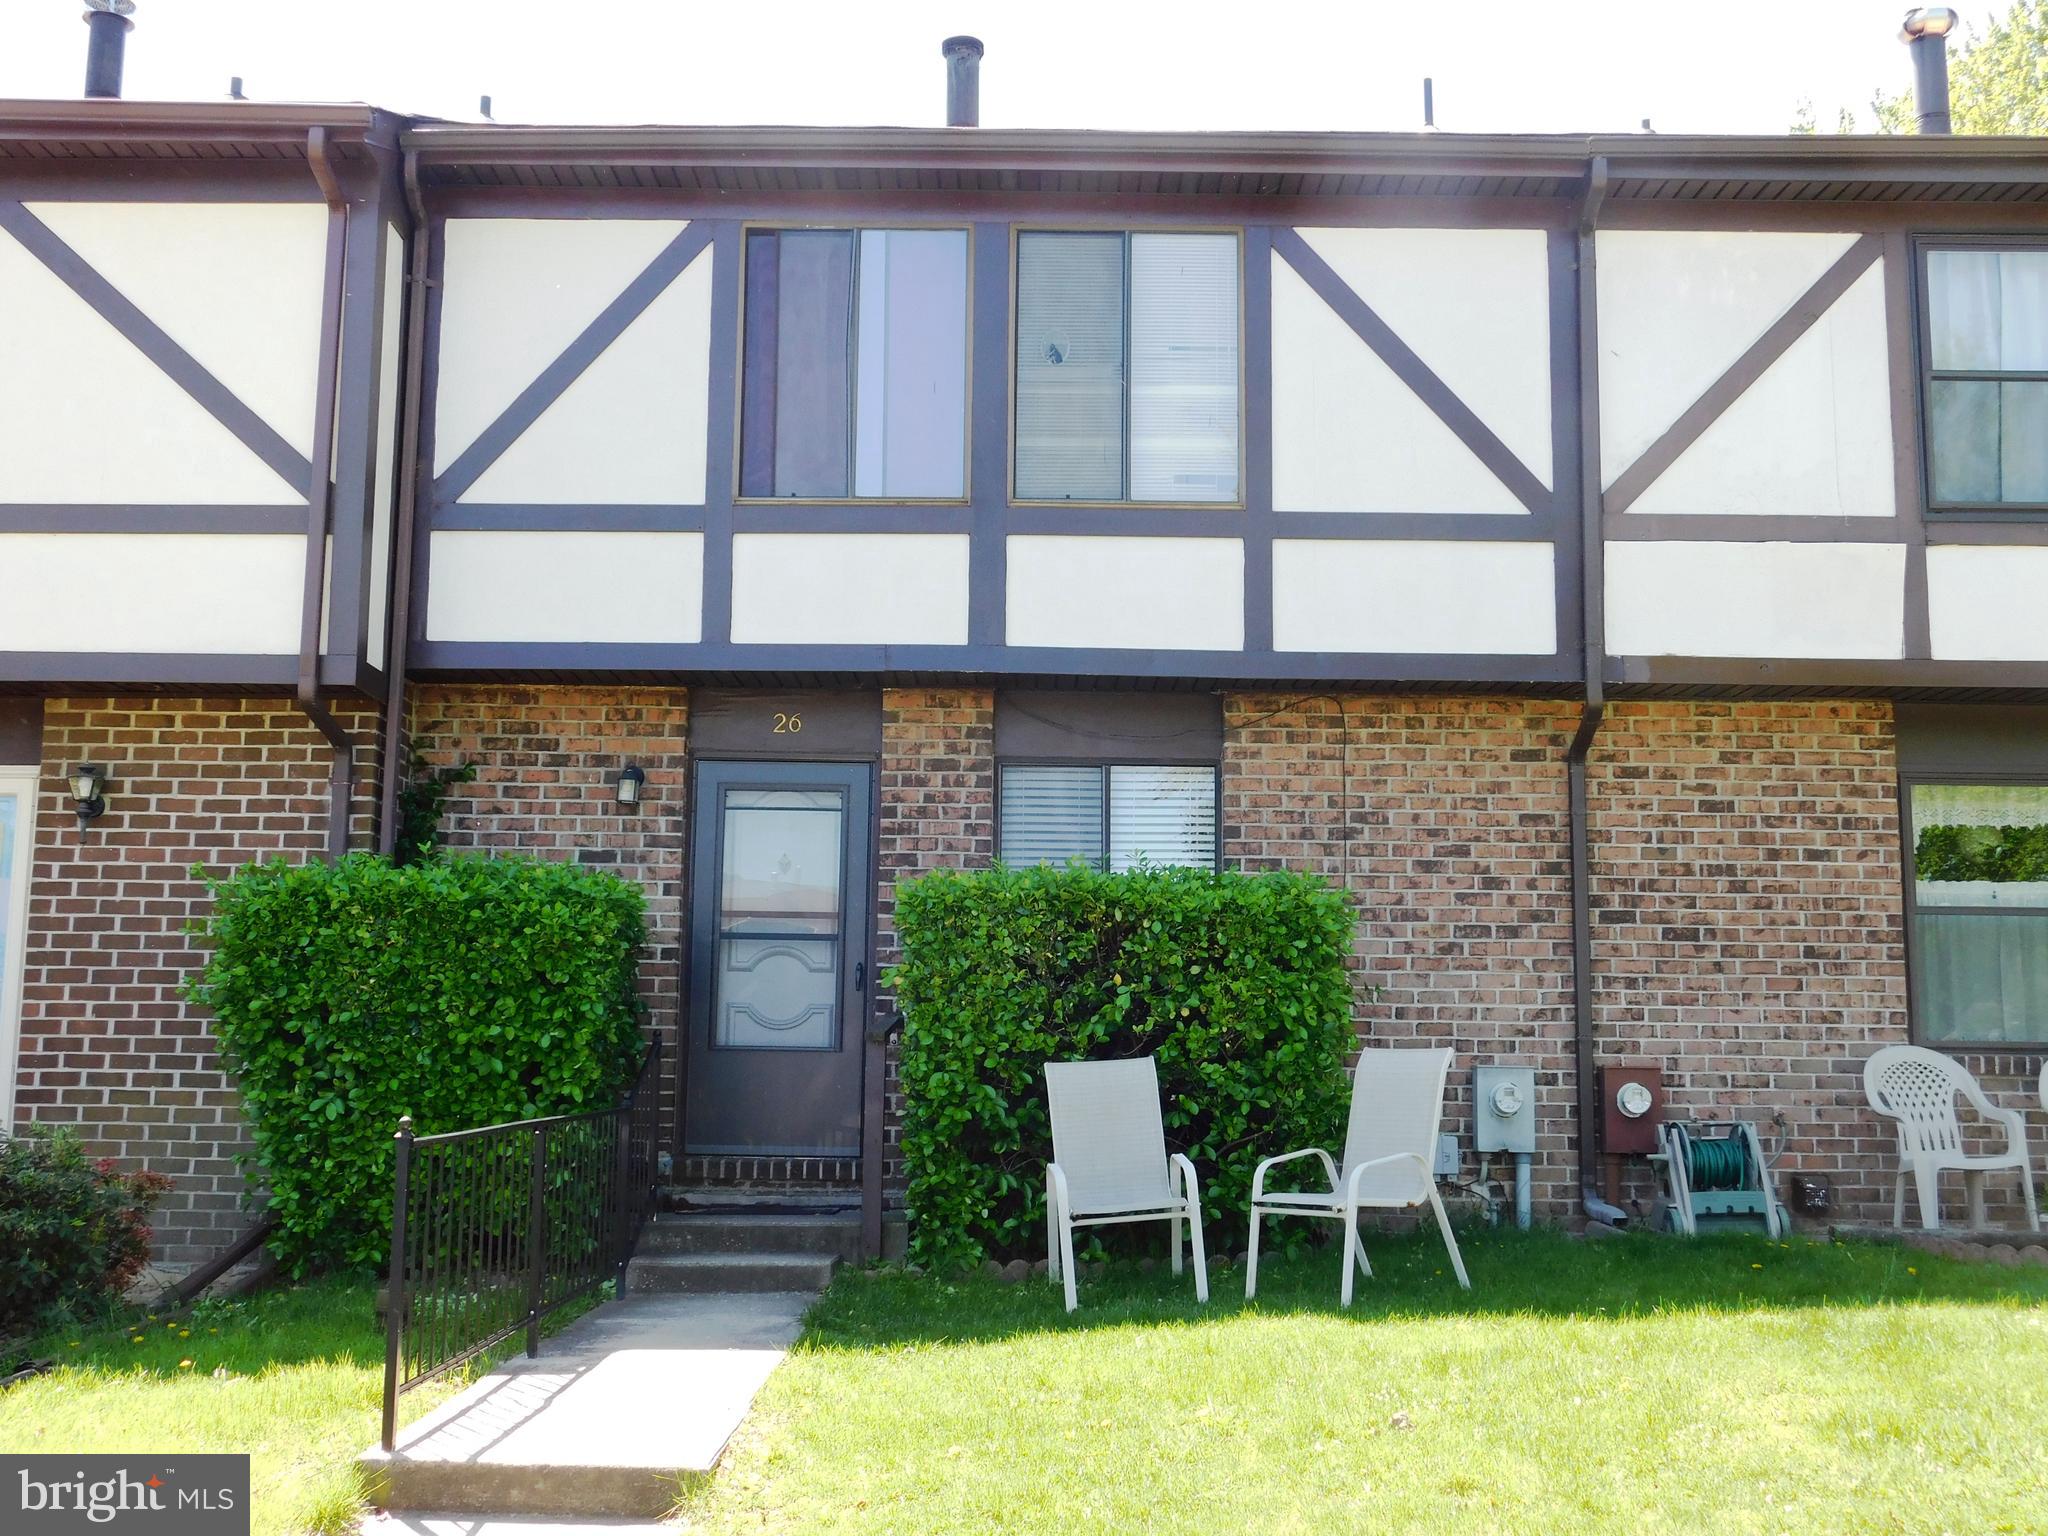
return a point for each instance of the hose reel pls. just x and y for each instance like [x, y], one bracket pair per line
[1717, 1175]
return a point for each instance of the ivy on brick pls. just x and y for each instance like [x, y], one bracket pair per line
[461, 992]
[1235, 982]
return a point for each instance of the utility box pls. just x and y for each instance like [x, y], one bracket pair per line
[1504, 1109]
[1631, 1107]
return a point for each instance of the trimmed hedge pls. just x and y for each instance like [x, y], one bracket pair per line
[1235, 982]
[461, 992]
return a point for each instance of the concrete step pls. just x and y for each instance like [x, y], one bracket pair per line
[699, 1274]
[783, 1199]
[718, 1232]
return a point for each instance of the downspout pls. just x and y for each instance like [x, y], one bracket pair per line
[319, 499]
[1593, 635]
[408, 499]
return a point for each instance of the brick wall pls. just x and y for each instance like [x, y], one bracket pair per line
[1747, 930]
[938, 799]
[1447, 819]
[107, 1043]
[547, 762]
[1746, 892]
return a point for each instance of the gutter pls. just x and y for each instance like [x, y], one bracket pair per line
[1593, 645]
[319, 499]
[400, 615]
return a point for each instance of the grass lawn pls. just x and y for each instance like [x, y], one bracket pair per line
[294, 1377]
[1648, 1385]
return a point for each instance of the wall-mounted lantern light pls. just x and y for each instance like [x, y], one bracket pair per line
[629, 782]
[88, 790]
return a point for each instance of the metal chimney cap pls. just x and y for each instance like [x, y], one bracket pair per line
[970, 46]
[1927, 21]
[121, 8]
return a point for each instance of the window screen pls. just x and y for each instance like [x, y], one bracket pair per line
[1113, 816]
[1070, 367]
[855, 370]
[1980, 911]
[1987, 385]
[1127, 367]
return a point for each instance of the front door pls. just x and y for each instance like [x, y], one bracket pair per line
[779, 904]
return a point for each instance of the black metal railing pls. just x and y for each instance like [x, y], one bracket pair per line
[496, 1227]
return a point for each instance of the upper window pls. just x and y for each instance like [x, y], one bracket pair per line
[1112, 816]
[1127, 367]
[854, 379]
[1987, 377]
[1978, 912]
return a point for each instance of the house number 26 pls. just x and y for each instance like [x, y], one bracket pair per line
[787, 725]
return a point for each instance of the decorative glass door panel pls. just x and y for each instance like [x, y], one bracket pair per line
[17, 837]
[779, 962]
[780, 895]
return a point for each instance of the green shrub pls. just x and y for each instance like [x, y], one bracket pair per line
[74, 1232]
[1235, 982]
[461, 992]
[1981, 853]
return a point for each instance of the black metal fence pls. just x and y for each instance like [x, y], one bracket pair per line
[495, 1227]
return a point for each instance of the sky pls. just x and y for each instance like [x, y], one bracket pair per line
[1690, 66]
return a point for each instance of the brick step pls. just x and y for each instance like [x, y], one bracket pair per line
[698, 1274]
[797, 1233]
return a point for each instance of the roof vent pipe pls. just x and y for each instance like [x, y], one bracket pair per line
[108, 22]
[1926, 33]
[963, 81]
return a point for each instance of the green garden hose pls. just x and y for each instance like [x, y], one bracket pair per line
[1717, 1162]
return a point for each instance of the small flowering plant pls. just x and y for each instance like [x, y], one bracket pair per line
[74, 1230]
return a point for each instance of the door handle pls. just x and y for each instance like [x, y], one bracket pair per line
[860, 975]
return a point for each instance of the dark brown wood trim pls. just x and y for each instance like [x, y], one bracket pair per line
[1739, 528]
[568, 517]
[122, 669]
[107, 301]
[1742, 373]
[166, 518]
[1412, 371]
[789, 663]
[1946, 530]
[545, 390]
[1817, 675]
[1902, 389]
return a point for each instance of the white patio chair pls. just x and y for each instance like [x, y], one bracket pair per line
[1397, 1104]
[1110, 1165]
[1918, 1088]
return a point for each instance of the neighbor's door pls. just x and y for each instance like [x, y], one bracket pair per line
[17, 839]
[779, 904]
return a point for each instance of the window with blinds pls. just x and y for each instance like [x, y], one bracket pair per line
[854, 374]
[1113, 816]
[1987, 377]
[1127, 368]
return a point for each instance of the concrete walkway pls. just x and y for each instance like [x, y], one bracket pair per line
[617, 1411]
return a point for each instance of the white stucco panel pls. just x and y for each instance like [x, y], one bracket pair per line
[631, 428]
[849, 589]
[85, 418]
[1676, 308]
[1474, 304]
[1348, 435]
[1988, 602]
[1834, 601]
[1116, 593]
[568, 588]
[1449, 596]
[155, 593]
[515, 293]
[237, 285]
[1812, 437]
